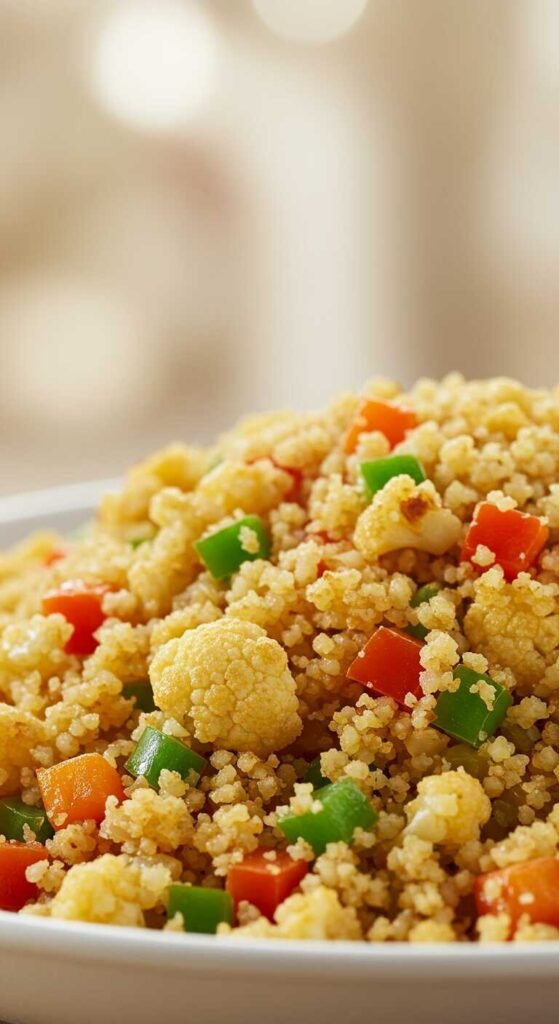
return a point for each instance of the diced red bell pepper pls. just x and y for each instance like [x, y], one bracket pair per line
[514, 537]
[392, 420]
[265, 883]
[15, 858]
[81, 604]
[389, 664]
[530, 888]
[77, 789]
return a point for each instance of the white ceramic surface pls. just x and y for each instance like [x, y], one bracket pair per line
[56, 973]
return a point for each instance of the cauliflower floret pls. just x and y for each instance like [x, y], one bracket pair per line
[19, 733]
[406, 515]
[311, 915]
[449, 809]
[111, 890]
[233, 685]
[516, 625]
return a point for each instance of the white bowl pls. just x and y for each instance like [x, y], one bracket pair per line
[57, 973]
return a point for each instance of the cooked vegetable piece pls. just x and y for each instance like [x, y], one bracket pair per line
[263, 882]
[389, 664]
[340, 808]
[81, 605]
[378, 472]
[14, 815]
[15, 858]
[202, 909]
[77, 789]
[465, 756]
[514, 537]
[224, 551]
[392, 420]
[55, 555]
[421, 596]
[523, 739]
[530, 888]
[141, 693]
[314, 775]
[156, 751]
[464, 713]
[137, 542]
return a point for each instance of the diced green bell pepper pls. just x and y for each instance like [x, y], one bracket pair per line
[315, 776]
[523, 739]
[343, 808]
[465, 756]
[202, 909]
[421, 596]
[141, 693]
[137, 542]
[156, 751]
[378, 472]
[465, 715]
[14, 814]
[223, 552]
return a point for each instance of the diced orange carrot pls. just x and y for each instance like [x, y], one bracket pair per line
[530, 888]
[15, 858]
[392, 420]
[77, 789]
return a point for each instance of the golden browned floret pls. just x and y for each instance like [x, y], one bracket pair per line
[406, 515]
[232, 683]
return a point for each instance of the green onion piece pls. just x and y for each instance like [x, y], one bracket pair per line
[378, 472]
[14, 814]
[343, 808]
[473, 761]
[156, 751]
[202, 909]
[421, 596]
[137, 542]
[315, 776]
[464, 714]
[225, 551]
[141, 693]
[505, 814]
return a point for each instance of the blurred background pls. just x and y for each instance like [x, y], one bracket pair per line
[214, 206]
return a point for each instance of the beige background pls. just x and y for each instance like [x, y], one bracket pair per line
[385, 202]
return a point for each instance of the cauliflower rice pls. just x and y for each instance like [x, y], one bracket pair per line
[250, 672]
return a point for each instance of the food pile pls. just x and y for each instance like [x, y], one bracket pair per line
[303, 684]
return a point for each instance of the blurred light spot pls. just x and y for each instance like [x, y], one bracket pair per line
[155, 62]
[538, 39]
[310, 21]
[72, 352]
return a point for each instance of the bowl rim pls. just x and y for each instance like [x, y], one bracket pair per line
[76, 940]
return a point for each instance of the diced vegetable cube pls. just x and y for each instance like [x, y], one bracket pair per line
[77, 789]
[224, 551]
[378, 472]
[389, 664]
[265, 883]
[530, 888]
[421, 596]
[202, 909]
[141, 693]
[81, 605]
[14, 815]
[156, 750]
[464, 713]
[389, 419]
[15, 858]
[514, 537]
[340, 808]
[314, 775]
